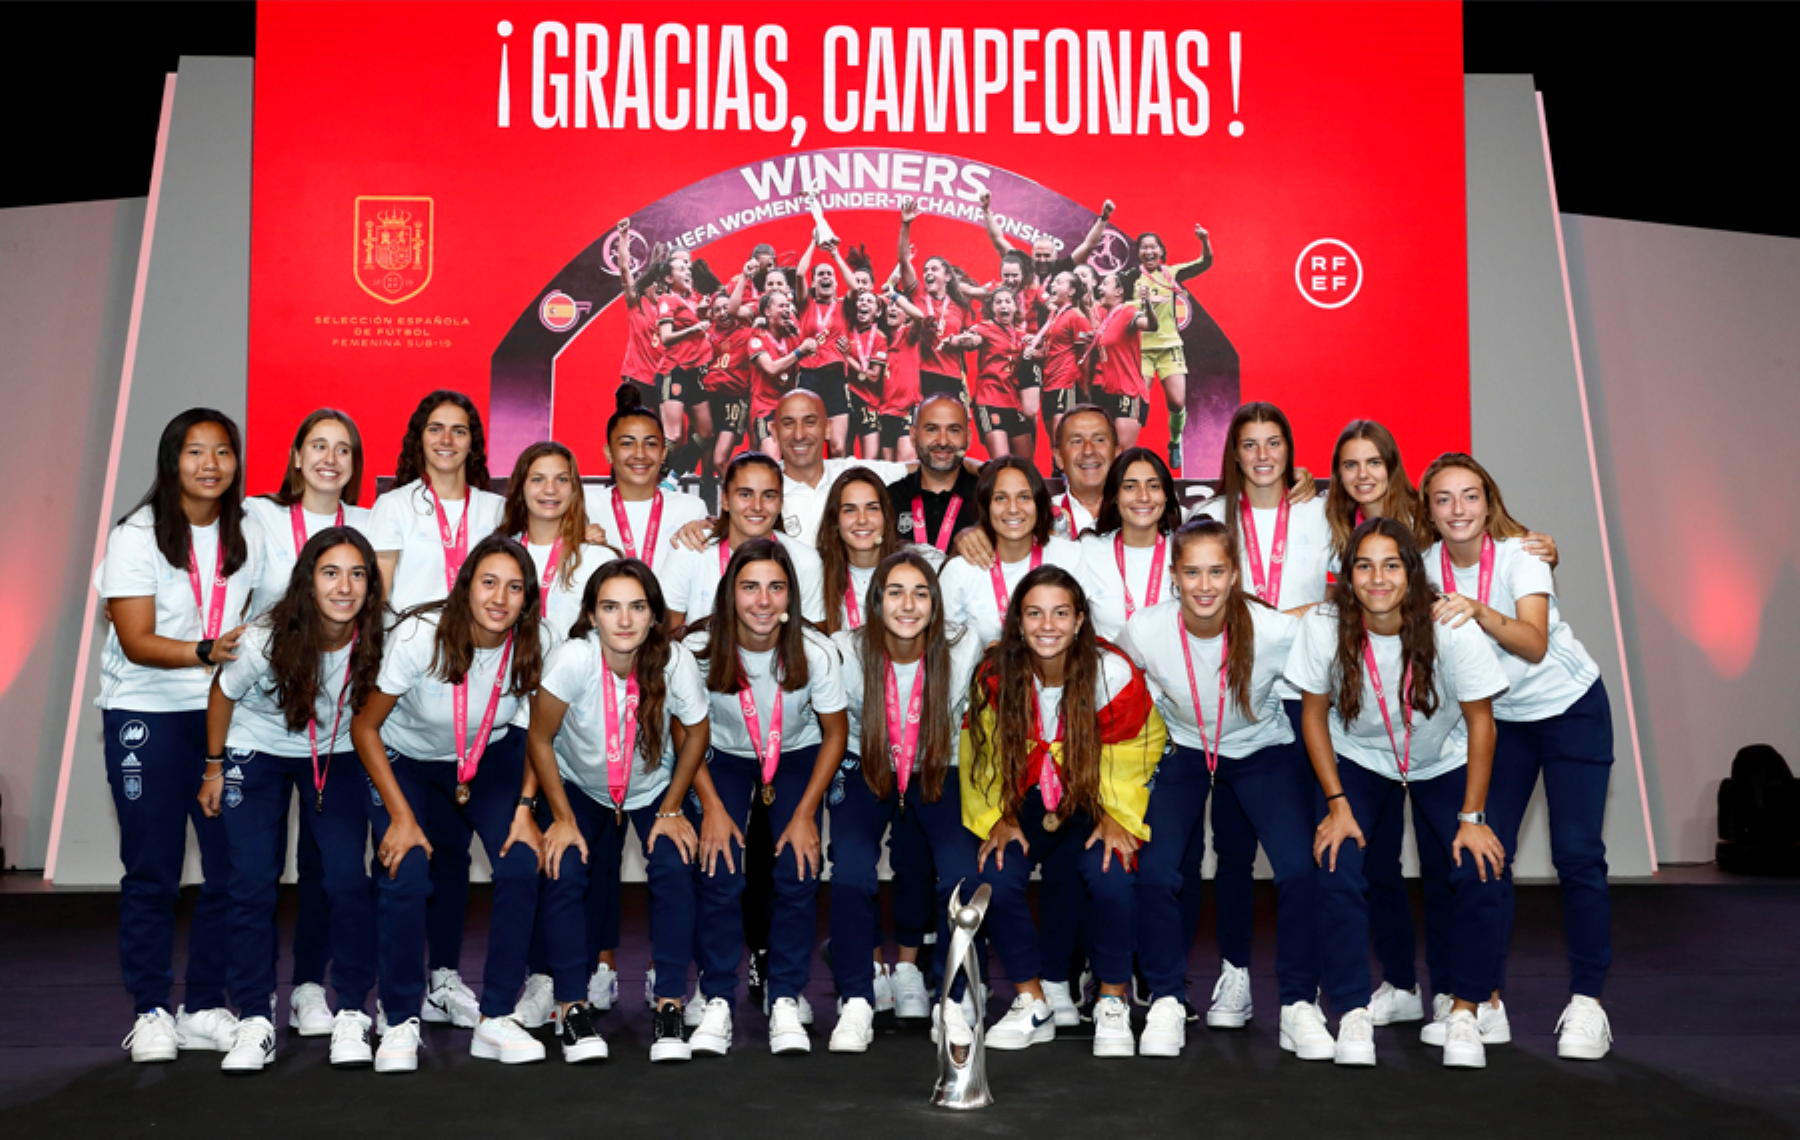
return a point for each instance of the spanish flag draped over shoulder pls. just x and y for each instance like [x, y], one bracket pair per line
[1132, 738]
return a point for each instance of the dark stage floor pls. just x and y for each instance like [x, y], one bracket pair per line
[1702, 998]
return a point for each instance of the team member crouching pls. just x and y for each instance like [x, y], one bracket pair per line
[906, 662]
[1369, 658]
[279, 709]
[1217, 677]
[423, 759]
[606, 702]
[1061, 744]
[778, 732]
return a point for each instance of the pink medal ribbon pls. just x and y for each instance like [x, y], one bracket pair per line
[1403, 756]
[945, 528]
[1484, 581]
[298, 518]
[999, 578]
[852, 612]
[1268, 587]
[468, 756]
[903, 749]
[650, 532]
[724, 556]
[1153, 591]
[1067, 509]
[768, 753]
[619, 742]
[550, 566]
[865, 350]
[320, 775]
[213, 614]
[456, 546]
[1050, 784]
[1211, 753]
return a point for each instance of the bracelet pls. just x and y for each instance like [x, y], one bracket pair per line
[1339, 796]
[219, 776]
[669, 815]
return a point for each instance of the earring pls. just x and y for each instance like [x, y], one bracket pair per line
[783, 618]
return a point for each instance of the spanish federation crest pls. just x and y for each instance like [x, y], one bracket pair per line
[392, 251]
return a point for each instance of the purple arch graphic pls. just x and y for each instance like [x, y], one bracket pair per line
[732, 202]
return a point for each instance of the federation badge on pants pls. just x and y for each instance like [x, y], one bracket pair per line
[134, 787]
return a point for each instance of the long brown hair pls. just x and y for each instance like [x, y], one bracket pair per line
[1231, 486]
[455, 651]
[725, 669]
[1040, 495]
[1003, 686]
[1240, 623]
[722, 525]
[1418, 633]
[1402, 500]
[1111, 518]
[652, 655]
[937, 732]
[297, 635]
[572, 530]
[293, 484]
[410, 467]
[834, 556]
[1500, 523]
[169, 521]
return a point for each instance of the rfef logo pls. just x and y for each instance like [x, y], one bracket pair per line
[391, 251]
[1329, 273]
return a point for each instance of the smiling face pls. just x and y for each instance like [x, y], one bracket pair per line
[800, 431]
[1262, 454]
[1363, 472]
[868, 307]
[754, 498]
[1062, 289]
[1141, 497]
[1043, 256]
[1013, 508]
[1111, 290]
[326, 458]
[636, 450]
[1204, 578]
[906, 604]
[824, 281]
[762, 597]
[780, 308]
[1012, 274]
[1004, 307]
[936, 276]
[548, 488]
[1050, 620]
[941, 435]
[622, 614]
[340, 584]
[1378, 576]
[860, 520]
[775, 281]
[1150, 252]
[681, 271]
[1459, 504]
[1086, 451]
[447, 441]
[1088, 278]
[497, 594]
[208, 464]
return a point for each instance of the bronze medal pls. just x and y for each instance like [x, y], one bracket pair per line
[462, 794]
[619, 817]
[321, 801]
[1052, 822]
[768, 794]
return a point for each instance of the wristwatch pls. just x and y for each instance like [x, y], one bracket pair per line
[1478, 818]
[203, 651]
[528, 802]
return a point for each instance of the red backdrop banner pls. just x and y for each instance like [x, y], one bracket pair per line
[435, 185]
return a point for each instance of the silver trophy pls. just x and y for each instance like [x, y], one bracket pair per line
[822, 234]
[962, 1066]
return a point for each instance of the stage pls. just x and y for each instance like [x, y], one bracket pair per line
[1701, 997]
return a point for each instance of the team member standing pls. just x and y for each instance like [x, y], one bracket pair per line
[1062, 344]
[546, 514]
[856, 534]
[1118, 359]
[1012, 511]
[176, 580]
[1216, 685]
[1062, 742]
[750, 508]
[639, 515]
[1554, 719]
[1125, 558]
[1394, 704]
[682, 321]
[280, 708]
[908, 663]
[601, 739]
[645, 366]
[938, 294]
[779, 733]
[776, 351]
[485, 641]
[1160, 292]
[999, 343]
[821, 315]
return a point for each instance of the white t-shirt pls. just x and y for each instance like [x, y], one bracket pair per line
[1466, 671]
[1106, 590]
[1065, 504]
[272, 530]
[573, 674]
[135, 568]
[824, 693]
[969, 590]
[403, 520]
[562, 604]
[802, 506]
[259, 724]
[1112, 678]
[1152, 639]
[692, 579]
[965, 655]
[1548, 688]
[422, 724]
[679, 509]
[1308, 559]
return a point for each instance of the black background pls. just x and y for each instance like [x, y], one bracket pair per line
[1675, 113]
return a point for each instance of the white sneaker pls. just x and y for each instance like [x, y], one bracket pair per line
[1062, 1004]
[1165, 1029]
[1490, 1021]
[967, 1015]
[504, 1040]
[1432, 1032]
[649, 988]
[884, 989]
[1584, 1034]
[399, 1051]
[1388, 1005]
[537, 1005]
[350, 1046]
[153, 1038]
[575, 1032]
[252, 1046]
[806, 1012]
[1356, 1038]
[1028, 1022]
[308, 1013]
[1462, 1042]
[206, 1029]
[671, 1043]
[1304, 1032]
[603, 987]
[449, 1001]
[1231, 1007]
[712, 1035]
[911, 999]
[786, 1032]
[694, 1009]
[855, 1030]
[1112, 1028]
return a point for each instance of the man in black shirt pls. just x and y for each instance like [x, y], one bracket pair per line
[938, 499]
